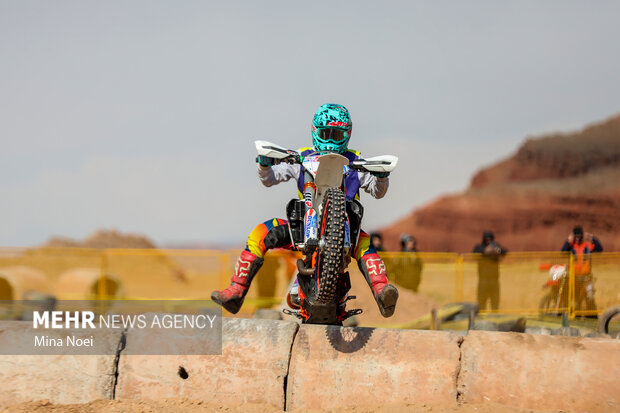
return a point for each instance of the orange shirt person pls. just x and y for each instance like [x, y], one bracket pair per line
[581, 246]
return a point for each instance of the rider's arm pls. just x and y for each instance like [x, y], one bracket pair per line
[597, 245]
[377, 187]
[272, 175]
[566, 247]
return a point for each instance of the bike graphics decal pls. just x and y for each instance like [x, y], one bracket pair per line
[310, 224]
[311, 164]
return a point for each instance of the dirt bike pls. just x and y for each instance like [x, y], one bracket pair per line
[555, 300]
[325, 226]
[556, 297]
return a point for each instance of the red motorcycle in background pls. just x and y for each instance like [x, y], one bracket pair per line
[556, 297]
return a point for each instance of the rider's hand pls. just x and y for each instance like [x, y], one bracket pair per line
[587, 237]
[571, 238]
[380, 174]
[266, 161]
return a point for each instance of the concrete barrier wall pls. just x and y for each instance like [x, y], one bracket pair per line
[334, 367]
[252, 368]
[540, 372]
[60, 379]
[327, 367]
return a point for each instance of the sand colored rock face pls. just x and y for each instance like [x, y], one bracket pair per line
[333, 367]
[82, 283]
[540, 372]
[18, 280]
[60, 379]
[251, 369]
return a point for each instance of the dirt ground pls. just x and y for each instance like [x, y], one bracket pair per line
[176, 405]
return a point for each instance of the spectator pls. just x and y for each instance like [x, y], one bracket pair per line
[409, 268]
[488, 270]
[377, 241]
[581, 246]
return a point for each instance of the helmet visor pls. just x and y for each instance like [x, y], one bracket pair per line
[331, 135]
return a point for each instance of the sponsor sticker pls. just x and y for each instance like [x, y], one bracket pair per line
[310, 223]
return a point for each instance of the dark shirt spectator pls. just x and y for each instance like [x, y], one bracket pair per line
[377, 241]
[409, 268]
[488, 270]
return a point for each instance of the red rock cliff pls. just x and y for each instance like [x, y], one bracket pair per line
[531, 200]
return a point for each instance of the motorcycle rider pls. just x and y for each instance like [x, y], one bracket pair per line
[331, 131]
[581, 246]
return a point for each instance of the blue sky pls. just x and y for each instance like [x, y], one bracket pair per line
[141, 115]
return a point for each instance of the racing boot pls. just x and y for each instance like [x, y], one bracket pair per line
[386, 295]
[232, 297]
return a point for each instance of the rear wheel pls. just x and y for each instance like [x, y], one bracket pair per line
[330, 259]
[605, 319]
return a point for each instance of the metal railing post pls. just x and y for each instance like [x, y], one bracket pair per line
[571, 287]
[102, 288]
[458, 279]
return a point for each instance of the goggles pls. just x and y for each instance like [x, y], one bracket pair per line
[331, 135]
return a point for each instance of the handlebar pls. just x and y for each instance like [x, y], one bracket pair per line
[298, 159]
[291, 159]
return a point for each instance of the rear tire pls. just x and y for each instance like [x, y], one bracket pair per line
[605, 318]
[331, 258]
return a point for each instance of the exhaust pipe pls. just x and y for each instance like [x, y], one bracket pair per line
[303, 270]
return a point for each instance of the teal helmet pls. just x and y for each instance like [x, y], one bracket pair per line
[331, 128]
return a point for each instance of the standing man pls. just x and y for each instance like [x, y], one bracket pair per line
[410, 271]
[488, 270]
[376, 240]
[581, 246]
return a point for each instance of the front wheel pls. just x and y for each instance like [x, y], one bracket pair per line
[545, 303]
[550, 303]
[330, 259]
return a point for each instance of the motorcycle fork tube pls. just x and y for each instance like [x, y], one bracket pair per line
[310, 217]
[305, 266]
[347, 237]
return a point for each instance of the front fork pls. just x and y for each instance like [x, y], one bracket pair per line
[311, 226]
[312, 242]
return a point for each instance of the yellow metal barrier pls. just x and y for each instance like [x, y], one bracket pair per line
[433, 274]
[522, 284]
[515, 283]
[603, 291]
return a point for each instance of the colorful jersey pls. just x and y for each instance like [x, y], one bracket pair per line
[353, 181]
[274, 233]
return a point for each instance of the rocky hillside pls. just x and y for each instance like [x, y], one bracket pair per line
[103, 239]
[531, 200]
